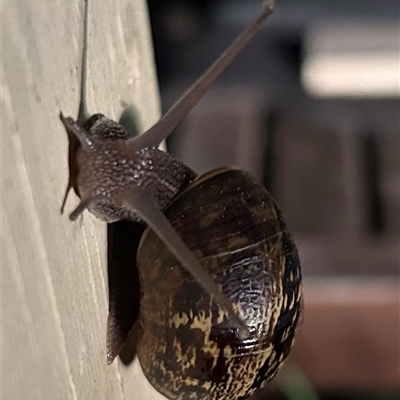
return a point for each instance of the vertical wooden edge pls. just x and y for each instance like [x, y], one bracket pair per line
[53, 272]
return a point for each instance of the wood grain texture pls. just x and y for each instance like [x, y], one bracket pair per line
[53, 272]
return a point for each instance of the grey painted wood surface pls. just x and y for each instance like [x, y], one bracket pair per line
[53, 272]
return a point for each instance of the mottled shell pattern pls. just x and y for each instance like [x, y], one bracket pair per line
[187, 346]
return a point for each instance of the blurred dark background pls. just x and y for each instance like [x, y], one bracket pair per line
[311, 107]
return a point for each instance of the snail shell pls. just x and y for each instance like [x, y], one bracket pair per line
[186, 345]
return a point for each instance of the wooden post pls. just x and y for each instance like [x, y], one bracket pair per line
[53, 276]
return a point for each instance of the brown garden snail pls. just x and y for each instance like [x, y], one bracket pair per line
[219, 272]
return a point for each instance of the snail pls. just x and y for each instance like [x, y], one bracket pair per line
[220, 278]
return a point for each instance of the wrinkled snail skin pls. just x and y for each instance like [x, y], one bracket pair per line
[115, 166]
[186, 347]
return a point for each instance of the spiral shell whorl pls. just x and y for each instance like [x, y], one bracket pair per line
[188, 348]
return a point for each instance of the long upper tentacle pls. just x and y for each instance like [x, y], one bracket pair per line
[83, 114]
[163, 128]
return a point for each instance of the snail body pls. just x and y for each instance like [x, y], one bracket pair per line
[220, 279]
